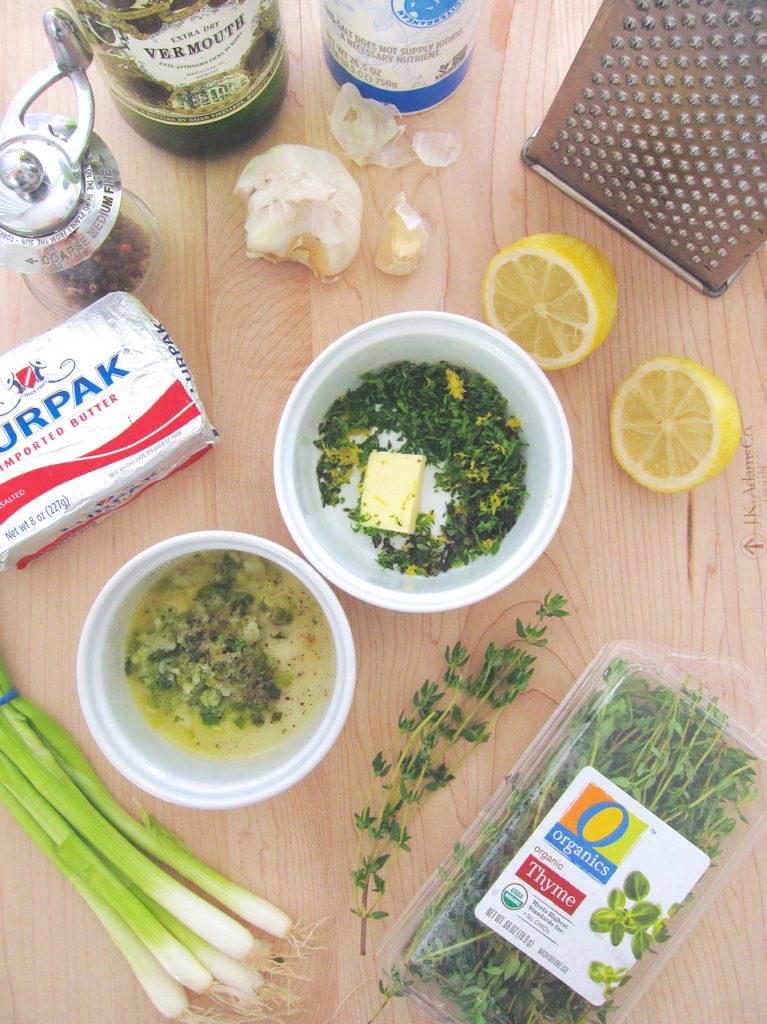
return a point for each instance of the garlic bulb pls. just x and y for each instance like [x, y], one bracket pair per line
[403, 238]
[303, 205]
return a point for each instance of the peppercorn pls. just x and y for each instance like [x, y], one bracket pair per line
[119, 264]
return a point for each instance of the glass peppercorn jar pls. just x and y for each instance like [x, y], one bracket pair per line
[65, 221]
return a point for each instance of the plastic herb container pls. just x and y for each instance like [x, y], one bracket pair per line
[595, 858]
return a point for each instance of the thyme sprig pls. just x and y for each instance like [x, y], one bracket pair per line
[447, 720]
[460, 422]
[667, 748]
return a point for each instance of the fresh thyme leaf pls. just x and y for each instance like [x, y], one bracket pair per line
[461, 423]
[446, 723]
[668, 749]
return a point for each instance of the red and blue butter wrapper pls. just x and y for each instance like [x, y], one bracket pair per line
[92, 413]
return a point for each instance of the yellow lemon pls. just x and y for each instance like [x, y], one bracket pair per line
[673, 424]
[554, 295]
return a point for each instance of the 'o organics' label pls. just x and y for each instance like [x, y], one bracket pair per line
[593, 886]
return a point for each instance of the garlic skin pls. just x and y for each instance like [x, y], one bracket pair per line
[436, 149]
[369, 131]
[302, 205]
[402, 240]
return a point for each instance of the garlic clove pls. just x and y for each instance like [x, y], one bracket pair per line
[302, 205]
[436, 149]
[367, 130]
[402, 240]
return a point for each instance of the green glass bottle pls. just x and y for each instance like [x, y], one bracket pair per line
[198, 77]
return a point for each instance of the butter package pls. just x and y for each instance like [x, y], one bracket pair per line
[92, 413]
[592, 863]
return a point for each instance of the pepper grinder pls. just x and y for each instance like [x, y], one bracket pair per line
[66, 223]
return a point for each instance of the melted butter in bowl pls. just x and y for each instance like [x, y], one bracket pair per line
[216, 669]
[228, 654]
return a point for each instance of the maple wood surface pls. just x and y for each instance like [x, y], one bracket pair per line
[671, 570]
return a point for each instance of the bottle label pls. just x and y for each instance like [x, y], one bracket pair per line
[593, 887]
[185, 63]
[412, 53]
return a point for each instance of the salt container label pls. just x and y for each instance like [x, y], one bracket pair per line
[412, 53]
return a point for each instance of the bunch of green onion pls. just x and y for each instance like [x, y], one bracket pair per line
[173, 938]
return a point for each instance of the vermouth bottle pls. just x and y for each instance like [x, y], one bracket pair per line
[199, 77]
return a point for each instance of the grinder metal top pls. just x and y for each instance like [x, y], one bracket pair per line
[59, 183]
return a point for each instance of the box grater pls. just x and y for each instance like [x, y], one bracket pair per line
[660, 128]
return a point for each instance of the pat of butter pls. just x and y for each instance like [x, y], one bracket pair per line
[391, 490]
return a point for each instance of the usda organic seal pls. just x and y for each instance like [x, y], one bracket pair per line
[514, 896]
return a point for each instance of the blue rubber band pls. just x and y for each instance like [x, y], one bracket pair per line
[7, 697]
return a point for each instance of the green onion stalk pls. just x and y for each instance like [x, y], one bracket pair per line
[174, 939]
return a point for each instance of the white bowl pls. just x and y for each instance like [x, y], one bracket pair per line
[151, 761]
[347, 558]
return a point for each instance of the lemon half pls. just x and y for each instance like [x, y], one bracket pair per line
[554, 295]
[673, 424]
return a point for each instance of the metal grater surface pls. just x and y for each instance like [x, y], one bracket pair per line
[660, 128]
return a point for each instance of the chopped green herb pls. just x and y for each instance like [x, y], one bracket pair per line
[461, 423]
[196, 641]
